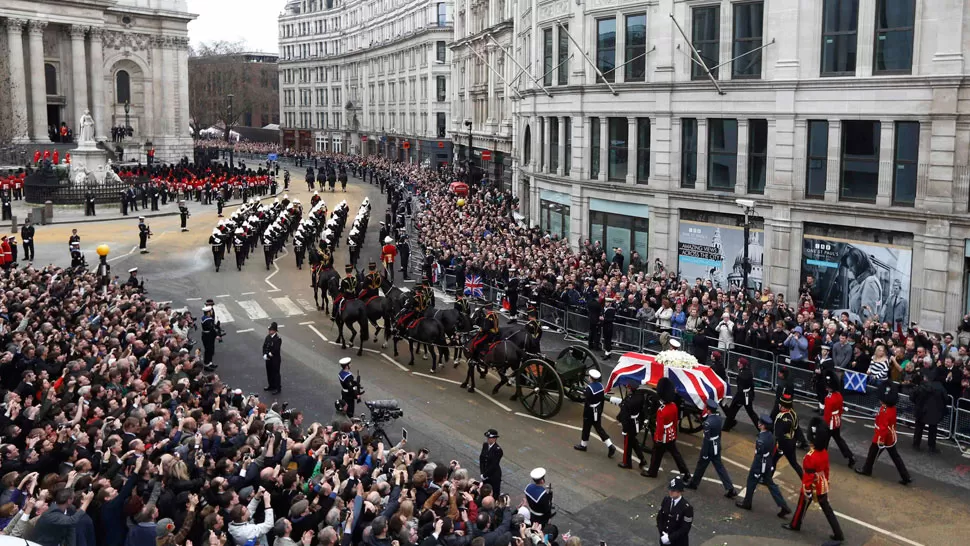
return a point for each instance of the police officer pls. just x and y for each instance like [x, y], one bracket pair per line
[489, 462]
[539, 498]
[348, 289]
[144, 232]
[631, 421]
[372, 282]
[676, 515]
[711, 451]
[184, 215]
[744, 396]
[512, 293]
[349, 394]
[665, 437]
[27, 236]
[211, 331]
[763, 469]
[786, 424]
[218, 247]
[593, 413]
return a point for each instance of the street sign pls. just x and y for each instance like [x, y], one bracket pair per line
[486, 155]
[406, 145]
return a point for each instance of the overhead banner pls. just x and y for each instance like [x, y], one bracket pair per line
[714, 252]
[866, 279]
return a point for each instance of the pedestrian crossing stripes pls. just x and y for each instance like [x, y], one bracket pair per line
[307, 305]
[253, 310]
[287, 306]
[222, 313]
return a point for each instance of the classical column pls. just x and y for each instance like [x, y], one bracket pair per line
[631, 150]
[18, 89]
[741, 166]
[169, 84]
[79, 70]
[157, 90]
[604, 149]
[97, 82]
[38, 84]
[561, 152]
[546, 143]
[182, 130]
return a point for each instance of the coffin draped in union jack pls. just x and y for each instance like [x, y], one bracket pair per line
[695, 385]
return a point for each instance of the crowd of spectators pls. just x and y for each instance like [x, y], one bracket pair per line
[113, 434]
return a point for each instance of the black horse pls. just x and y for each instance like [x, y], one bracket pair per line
[513, 345]
[352, 312]
[454, 321]
[423, 331]
[380, 308]
[319, 279]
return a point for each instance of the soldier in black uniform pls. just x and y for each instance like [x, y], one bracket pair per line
[89, 203]
[512, 293]
[299, 249]
[743, 396]
[218, 247]
[220, 203]
[594, 310]
[268, 250]
[7, 208]
[286, 180]
[184, 215]
[534, 330]
[348, 290]
[489, 462]
[593, 413]
[154, 194]
[786, 425]
[539, 498]
[349, 387]
[239, 247]
[404, 251]
[211, 331]
[609, 315]
[676, 516]
[631, 421]
[27, 236]
[272, 346]
[144, 232]
[372, 282]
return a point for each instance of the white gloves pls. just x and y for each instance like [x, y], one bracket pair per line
[615, 400]
[664, 539]
[265, 357]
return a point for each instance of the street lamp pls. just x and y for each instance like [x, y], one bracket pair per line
[468, 172]
[748, 206]
[229, 131]
[127, 120]
[104, 269]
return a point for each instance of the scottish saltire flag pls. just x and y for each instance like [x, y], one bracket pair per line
[474, 286]
[634, 369]
[854, 381]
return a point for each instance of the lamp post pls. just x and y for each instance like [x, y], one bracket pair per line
[229, 131]
[104, 269]
[747, 205]
[468, 171]
[127, 120]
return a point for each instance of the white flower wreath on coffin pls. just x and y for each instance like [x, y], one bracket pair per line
[677, 359]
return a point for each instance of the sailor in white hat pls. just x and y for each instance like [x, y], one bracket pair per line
[539, 497]
[593, 413]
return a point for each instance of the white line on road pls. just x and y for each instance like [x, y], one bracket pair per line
[247, 293]
[223, 296]
[222, 313]
[244, 331]
[277, 267]
[193, 299]
[877, 529]
[253, 310]
[307, 305]
[494, 401]
[273, 290]
[429, 376]
[317, 332]
[305, 323]
[130, 252]
[287, 306]
[395, 362]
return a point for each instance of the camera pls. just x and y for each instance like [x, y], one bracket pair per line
[384, 410]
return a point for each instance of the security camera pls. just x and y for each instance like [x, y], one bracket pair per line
[745, 203]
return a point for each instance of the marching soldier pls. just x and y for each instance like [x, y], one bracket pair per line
[711, 451]
[744, 396]
[512, 293]
[299, 249]
[349, 388]
[833, 418]
[218, 247]
[786, 424]
[815, 481]
[884, 436]
[239, 247]
[144, 232]
[631, 409]
[354, 250]
[372, 282]
[184, 215]
[490, 461]
[27, 236]
[665, 437]
[676, 515]
[348, 290]
[593, 414]
[539, 498]
[404, 251]
[763, 469]
[268, 251]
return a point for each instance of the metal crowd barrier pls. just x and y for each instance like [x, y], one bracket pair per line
[906, 413]
[961, 422]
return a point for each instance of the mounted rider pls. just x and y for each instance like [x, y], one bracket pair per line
[348, 289]
[461, 304]
[372, 282]
[488, 333]
[416, 305]
[326, 257]
[534, 330]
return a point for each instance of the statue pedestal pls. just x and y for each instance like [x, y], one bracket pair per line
[93, 159]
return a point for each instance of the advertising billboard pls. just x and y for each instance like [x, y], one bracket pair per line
[714, 252]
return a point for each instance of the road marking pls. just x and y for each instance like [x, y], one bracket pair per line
[494, 401]
[307, 305]
[277, 267]
[878, 529]
[253, 310]
[395, 362]
[248, 293]
[193, 299]
[223, 296]
[287, 306]
[244, 331]
[305, 323]
[317, 332]
[130, 252]
[163, 303]
[222, 313]
[429, 376]
[273, 290]
[633, 458]
[848, 420]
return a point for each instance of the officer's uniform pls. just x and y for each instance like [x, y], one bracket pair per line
[785, 426]
[348, 290]
[489, 463]
[593, 412]
[348, 387]
[299, 250]
[143, 233]
[609, 316]
[239, 247]
[631, 422]
[372, 283]
[763, 469]
[834, 408]
[539, 498]
[711, 451]
[512, 293]
[815, 481]
[665, 437]
[218, 248]
[489, 331]
[210, 331]
[675, 518]
[744, 396]
[183, 214]
[884, 437]
[27, 236]
[534, 330]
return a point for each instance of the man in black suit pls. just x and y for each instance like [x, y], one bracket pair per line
[271, 354]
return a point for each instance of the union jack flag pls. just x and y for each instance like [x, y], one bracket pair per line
[474, 286]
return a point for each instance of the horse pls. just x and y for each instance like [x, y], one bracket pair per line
[502, 356]
[380, 308]
[453, 321]
[422, 330]
[515, 333]
[353, 311]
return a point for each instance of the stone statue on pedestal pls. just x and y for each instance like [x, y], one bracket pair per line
[85, 134]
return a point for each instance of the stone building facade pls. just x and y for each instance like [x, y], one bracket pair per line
[62, 57]
[367, 76]
[849, 129]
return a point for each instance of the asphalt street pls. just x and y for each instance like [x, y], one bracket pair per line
[596, 500]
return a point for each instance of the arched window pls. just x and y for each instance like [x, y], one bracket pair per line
[50, 77]
[123, 87]
[527, 146]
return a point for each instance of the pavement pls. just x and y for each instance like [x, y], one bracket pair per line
[596, 500]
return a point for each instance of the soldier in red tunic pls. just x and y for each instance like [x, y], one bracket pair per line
[815, 481]
[665, 437]
[833, 418]
[885, 435]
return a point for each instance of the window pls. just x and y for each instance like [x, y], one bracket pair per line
[606, 48]
[722, 154]
[894, 36]
[50, 78]
[818, 153]
[688, 152]
[643, 150]
[618, 151]
[440, 51]
[594, 148]
[547, 56]
[860, 160]
[563, 55]
[440, 81]
[442, 14]
[636, 48]
[554, 218]
[757, 155]
[840, 23]
[553, 142]
[748, 34]
[568, 153]
[627, 232]
[706, 40]
[123, 87]
[441, 123]
[906, 156]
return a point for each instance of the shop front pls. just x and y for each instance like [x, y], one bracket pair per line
[554, 213]
[711, 247]
[620, 225]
